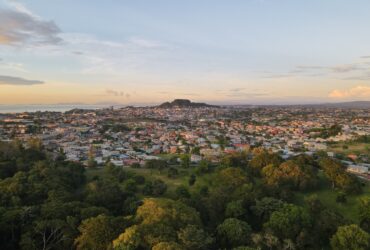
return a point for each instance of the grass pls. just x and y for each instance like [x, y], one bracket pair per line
[91, 173]
[327, 196]
[351, 148]
[324, 192]
[174, 182]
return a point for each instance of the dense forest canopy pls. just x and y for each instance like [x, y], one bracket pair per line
[245, 202]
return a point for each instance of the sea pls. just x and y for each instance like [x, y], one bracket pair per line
[4, 108]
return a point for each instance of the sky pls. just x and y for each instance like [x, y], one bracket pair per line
[216, 51]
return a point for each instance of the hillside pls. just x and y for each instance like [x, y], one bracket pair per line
[184, 103]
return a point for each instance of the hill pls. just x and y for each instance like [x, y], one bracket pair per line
[355, 104]
[184, 103]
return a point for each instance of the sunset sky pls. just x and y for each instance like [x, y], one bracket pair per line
[217, 51]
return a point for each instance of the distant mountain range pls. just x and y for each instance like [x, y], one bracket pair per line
[355, 104]
[184, 103]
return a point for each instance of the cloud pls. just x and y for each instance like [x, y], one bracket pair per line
[111, 92]
[12, 66]
[178, 93]
[360, 91]
[18, 26]
[114, 92]
[236, 89]
[100, 56]
[345, 68]
[11, 80]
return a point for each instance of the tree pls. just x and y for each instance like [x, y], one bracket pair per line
[235, 209]
[326, 223]
[203, 168]
[265, 207]
[192, 179]
[156, 164]
[364, 213]
[168, 246]
[130, 186]
[91, 163]
[262, 158]
[341, 198]
[106, 194]
[45, 235]
[288, 222]
[194, 238]
[234, 160]
[98, 232]
[182, 192]
[185, 160]
[233, 233]
[290, 174]
[334, 170]
[156, 187]
[172, 172]
[350, 237]
[159, 187]
[158, 220]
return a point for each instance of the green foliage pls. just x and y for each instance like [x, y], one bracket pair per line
[50, 204]
[288, 222]
[172, 172]
[339, 178]
[236, 209]
[234, 160]
[182, 192]
[194, 238]
[158, 220]
[156, 188]
[233, 233]
[192, 179]
[350, 237]
[364, 213]
[185, 160]
[99, 232]
[341, 198]
[203, 167]
[167, 246]
[156, 164]
[290, 175]
[263, 158]
[265, 207]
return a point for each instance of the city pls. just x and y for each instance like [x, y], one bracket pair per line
[132, 135]
[184, 125]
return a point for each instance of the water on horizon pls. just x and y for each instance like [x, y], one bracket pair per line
[5, 108]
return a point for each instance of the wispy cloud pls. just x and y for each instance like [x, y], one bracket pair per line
[18, 26]
[241, 92]
[358, 70]
[360, 91]
[100, 56]
[116, 93]
[12, 66]
[175, 94]
[11, 80]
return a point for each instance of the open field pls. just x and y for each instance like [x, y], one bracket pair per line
[324, 191]
[350, 148]
[328, 197]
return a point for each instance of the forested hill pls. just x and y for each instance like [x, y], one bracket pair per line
[183, 103]
[250, 200]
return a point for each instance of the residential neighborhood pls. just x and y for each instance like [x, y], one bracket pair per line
[133, 135]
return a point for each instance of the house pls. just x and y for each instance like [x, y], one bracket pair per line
[195, 158]
[357, 169]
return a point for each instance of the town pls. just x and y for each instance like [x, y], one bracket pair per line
[133, 135]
